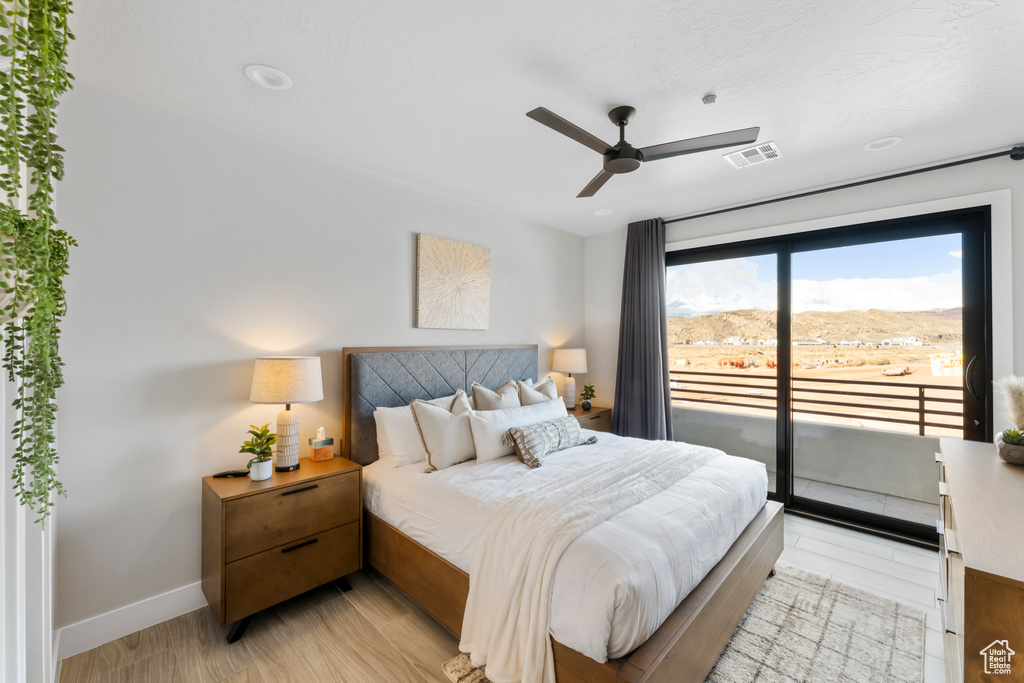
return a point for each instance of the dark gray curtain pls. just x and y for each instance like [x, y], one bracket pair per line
[643, 404]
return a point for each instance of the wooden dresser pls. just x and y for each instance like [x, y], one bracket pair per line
[982, 563]
[267, 541]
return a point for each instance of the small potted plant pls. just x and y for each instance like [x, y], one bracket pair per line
[587, 395]
[261, 466]
[1011, 441]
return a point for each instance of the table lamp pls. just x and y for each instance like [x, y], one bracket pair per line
[569, 361]
[288, 380]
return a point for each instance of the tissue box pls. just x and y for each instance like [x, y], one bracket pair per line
[321, 449]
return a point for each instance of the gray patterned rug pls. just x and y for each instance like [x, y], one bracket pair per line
[806, 628]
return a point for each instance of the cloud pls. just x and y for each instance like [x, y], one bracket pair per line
[922, 293]
[703, 288]
[956, 254]
[717, 286]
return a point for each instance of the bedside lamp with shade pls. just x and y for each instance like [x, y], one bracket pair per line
[569, 361]
[287, 380]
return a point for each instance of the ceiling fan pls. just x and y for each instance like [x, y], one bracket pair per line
[623, 157]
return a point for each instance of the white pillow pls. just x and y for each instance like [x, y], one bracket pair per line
[545, 391]
[506, 396]
[447, 436]
[397, 436]
[490, 425]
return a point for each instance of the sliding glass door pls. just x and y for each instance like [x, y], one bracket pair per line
[853, 347]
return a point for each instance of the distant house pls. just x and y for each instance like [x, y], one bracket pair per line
[902, 340]
[771, 341]
[857, 343]
[707, 342]
[736, 341]
[811, 341]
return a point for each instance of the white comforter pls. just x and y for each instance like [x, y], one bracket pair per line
[617, 582]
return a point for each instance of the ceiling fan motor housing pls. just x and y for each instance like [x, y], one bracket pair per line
[623, 159]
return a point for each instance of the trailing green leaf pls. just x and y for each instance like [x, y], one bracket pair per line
[33, 252]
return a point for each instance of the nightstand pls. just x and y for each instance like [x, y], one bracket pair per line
[598, 419]
[267, 541]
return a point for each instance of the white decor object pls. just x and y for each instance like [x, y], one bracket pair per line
[288, 380]
[453, 284]
[569, 361]
[261, 470]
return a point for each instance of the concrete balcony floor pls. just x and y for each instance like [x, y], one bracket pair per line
[866, 501]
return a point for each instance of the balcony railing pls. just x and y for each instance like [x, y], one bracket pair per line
[934, 406]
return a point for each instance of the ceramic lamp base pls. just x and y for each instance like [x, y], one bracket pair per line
[287, 441]
[569, 393]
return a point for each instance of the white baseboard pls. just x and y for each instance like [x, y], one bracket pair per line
[95, 631]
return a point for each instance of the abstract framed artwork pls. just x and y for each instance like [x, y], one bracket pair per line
[453, 284]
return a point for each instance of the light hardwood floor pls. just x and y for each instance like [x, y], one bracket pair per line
[375, 633]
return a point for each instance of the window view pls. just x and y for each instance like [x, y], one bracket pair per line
[723, 346]
[876, 367]
[877, 334]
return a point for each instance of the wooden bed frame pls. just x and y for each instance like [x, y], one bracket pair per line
[684, 648]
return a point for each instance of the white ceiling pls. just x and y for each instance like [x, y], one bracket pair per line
[435, 92]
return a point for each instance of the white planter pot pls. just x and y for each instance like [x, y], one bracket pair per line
[261, 470]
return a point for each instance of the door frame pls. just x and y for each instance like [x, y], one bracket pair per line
[975, 222]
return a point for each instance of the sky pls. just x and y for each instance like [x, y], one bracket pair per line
[906, 275]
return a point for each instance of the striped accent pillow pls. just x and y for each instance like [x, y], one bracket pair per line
[533, 442]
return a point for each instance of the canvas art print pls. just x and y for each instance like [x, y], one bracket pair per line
[453, 284]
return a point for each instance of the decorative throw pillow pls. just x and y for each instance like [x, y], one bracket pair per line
[533, 442]
[506, 396]
[545, 391]
[489, 426]
[397, 436]
[446, 434]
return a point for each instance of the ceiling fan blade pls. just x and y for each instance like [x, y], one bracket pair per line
[706, 142]
[557, 123]
[594, 185]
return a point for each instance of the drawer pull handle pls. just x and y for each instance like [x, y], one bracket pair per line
[304, 488]
[300, 545]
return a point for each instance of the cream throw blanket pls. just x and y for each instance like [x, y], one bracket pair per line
[507, 616]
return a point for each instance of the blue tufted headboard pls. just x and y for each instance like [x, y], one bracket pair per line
[389, 377]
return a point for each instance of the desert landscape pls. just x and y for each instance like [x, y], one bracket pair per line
[817, 354]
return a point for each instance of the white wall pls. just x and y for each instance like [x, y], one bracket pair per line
[604, 251]
[199, 249]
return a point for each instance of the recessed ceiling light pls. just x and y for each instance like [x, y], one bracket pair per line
[883, 143]
[268, 77]
[603, 212]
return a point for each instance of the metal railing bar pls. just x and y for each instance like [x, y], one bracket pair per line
[825, 380]
[872, 382]
[725, 403]
[704, 382]
[915, 409]
[858, 394]
[724, 393]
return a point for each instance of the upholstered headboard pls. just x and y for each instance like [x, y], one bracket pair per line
[389, 377]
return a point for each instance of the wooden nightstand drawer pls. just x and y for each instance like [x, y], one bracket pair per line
[257, 523]
[260, 581]
[598, 419]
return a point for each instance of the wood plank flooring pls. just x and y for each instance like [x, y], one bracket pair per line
[375, 633]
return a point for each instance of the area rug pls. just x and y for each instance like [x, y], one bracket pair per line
[806, 628]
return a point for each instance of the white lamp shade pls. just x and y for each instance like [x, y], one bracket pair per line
[569, 360]
[288, 379]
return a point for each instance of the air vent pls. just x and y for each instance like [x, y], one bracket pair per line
[758, 154]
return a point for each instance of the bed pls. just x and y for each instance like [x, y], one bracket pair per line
[428, 558]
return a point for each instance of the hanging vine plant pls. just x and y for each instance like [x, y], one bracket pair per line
[34, 38]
